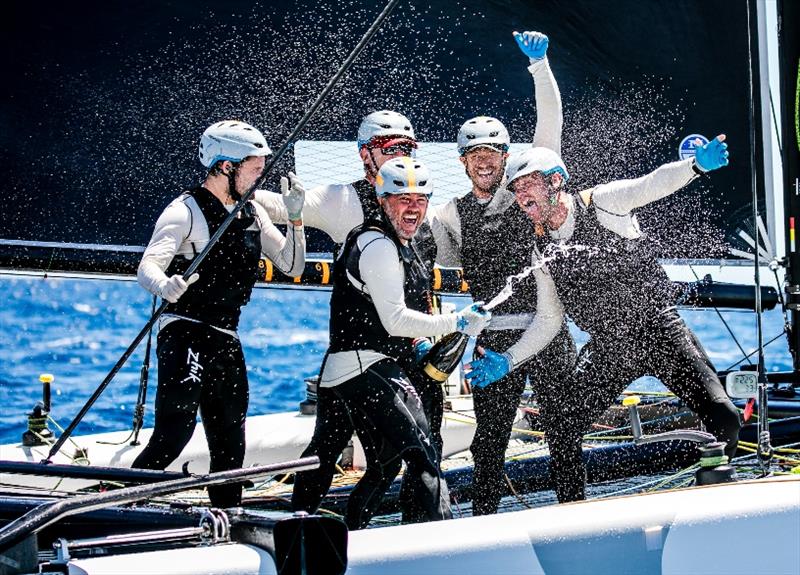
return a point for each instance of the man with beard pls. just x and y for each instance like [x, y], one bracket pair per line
[615, 290]
[381, 301]
[336, 209]
[491, 248]
[200, 360]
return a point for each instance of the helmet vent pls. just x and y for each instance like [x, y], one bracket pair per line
[522, 167]
[494, 134]
[423, 182]
[398, 182]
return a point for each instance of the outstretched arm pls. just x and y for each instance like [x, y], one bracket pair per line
[334, 209]
[623, 196]
[383, 277]
[546, 323]
[549, 113]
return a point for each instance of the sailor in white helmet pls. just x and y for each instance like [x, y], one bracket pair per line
[200, 360]
[336, 209]
[490, 248]
[614, 289]
[381, 302]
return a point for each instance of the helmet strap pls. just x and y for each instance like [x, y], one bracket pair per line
[234, 195]
[371, 167]
[555, 190]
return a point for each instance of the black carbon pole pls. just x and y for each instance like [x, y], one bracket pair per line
[373, 29]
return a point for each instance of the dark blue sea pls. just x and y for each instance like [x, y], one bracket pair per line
[77, 329]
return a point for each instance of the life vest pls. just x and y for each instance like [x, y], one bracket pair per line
[493, 248]
[354, 322]
[615, 287]
[228, 272]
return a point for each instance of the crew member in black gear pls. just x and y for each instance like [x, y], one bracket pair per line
[613, 287]
[490, 248]
[496, 406]
[200, 360]
[381, 301]
[336, 209]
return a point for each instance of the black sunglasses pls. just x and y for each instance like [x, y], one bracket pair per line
[404, 149]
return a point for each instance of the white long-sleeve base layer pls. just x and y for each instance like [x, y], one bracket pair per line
[335, 209]
[383, 279]
[614, 205]
[182, 230]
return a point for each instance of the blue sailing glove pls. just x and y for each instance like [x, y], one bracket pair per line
[713, 155]
[422, 346]
[473, 319]
[489, 368]
[532, 44]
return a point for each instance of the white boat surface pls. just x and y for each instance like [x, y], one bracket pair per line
[693, 530]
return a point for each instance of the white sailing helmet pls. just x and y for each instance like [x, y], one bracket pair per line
[231, 140]
[532, 160]
[482, 131]
[384, 123]
[403, 175]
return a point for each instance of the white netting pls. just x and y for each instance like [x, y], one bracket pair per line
[328, 162]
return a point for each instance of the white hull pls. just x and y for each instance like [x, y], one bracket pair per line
[233, 559]
[749, 527]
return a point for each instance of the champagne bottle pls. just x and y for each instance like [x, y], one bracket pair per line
[445, 355]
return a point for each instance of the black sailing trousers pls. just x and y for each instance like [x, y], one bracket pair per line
[385, 410]
[332, 432]
[666, 349]
[496, 408]
[199, 367]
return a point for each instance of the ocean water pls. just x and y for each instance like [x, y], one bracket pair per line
[77, 329]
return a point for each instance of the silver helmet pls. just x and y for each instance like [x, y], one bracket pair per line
[231, 140]
[532, 160]
[403, 175]
[384, 123]
[482, 131]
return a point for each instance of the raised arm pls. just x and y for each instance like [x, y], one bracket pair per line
[334, 209]
[286, 252]
[549, 113]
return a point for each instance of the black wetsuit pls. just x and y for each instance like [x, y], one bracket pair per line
[620, 295]
[200, 366]
[494, 248]
[383, 405]
[333, 428]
